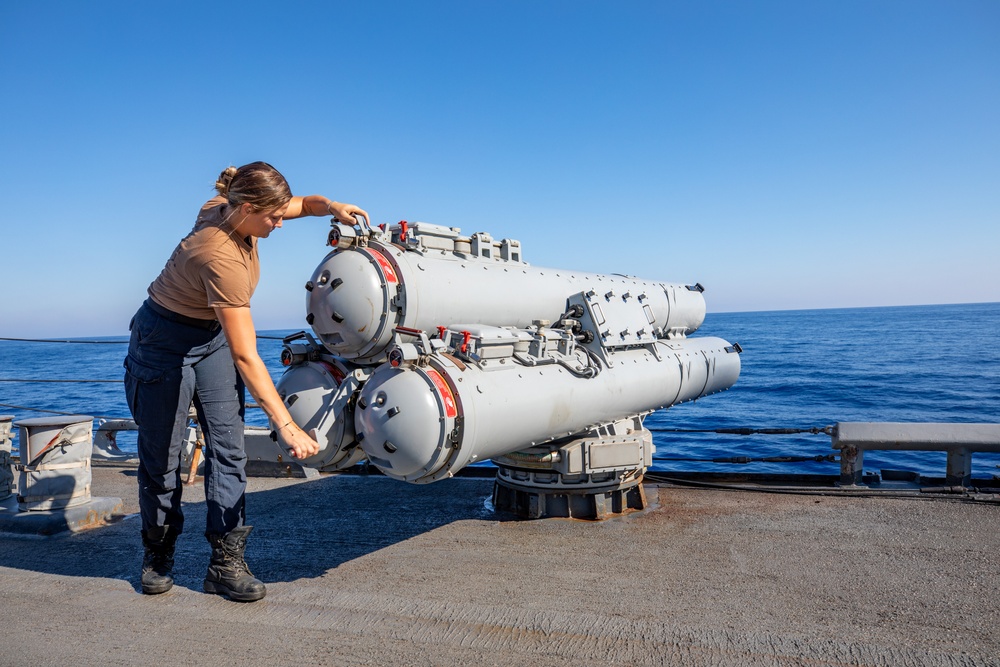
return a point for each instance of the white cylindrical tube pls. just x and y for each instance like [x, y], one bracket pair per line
[358, 295]
[422, 423]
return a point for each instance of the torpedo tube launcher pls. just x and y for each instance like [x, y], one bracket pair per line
[424, 276]
[436, 351]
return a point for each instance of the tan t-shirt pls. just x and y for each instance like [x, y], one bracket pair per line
[212, 266]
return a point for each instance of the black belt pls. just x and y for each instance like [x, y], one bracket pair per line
[208, 325]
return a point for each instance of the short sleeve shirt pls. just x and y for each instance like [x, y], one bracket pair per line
[213, 266]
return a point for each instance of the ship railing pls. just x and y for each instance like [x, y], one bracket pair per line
[958, 441]
[264, 456]
[106, 439]
[852, 439]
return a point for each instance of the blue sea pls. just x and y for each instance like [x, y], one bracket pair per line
[801, 369]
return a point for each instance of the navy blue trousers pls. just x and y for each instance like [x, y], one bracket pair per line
[169, 366]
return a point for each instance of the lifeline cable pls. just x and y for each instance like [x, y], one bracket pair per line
[97, 342]
[54, 412]
[819, 458]
[47, 340]
[34, 380]
[815, 430]
[58, 412]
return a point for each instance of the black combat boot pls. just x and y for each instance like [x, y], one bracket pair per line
[158, 560]
[228, 573]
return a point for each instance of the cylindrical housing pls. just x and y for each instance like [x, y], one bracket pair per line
[309, 390]
[424, 423]
[359, 294]
[55, 462]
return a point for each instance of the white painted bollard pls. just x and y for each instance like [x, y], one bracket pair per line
[6, 472]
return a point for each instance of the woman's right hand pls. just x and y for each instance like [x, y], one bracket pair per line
[346, 212]
[295, 439]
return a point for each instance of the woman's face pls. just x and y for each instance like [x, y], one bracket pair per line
[260, 224]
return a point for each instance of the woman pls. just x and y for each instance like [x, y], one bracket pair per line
[193, 340]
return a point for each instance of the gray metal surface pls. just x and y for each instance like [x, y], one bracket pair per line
[370, 571]
[592, 476]
[317, 395]
[917, 435]
[959, 441]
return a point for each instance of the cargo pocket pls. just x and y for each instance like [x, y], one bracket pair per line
[137, 377]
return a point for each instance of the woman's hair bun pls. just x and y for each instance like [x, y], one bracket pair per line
[225, 178]
[258, 184]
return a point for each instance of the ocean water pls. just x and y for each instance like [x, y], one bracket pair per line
[813, 368]
[801, 369]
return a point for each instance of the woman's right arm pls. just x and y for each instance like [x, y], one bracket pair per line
[318, 205]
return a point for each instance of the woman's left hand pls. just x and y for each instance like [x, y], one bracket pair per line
[295, 439]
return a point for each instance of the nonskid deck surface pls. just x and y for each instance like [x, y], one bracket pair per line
[371, 571]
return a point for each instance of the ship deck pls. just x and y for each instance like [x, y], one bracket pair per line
[365, 570]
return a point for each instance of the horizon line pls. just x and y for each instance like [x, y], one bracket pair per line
[77, 339]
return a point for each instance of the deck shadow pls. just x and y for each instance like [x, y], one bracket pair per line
[300, 531]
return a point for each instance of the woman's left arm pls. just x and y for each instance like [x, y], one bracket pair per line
[318, 205]
[237, 325]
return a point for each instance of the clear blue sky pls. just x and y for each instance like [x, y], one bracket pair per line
[784, 154]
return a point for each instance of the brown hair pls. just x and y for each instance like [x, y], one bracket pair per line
[258, 184]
